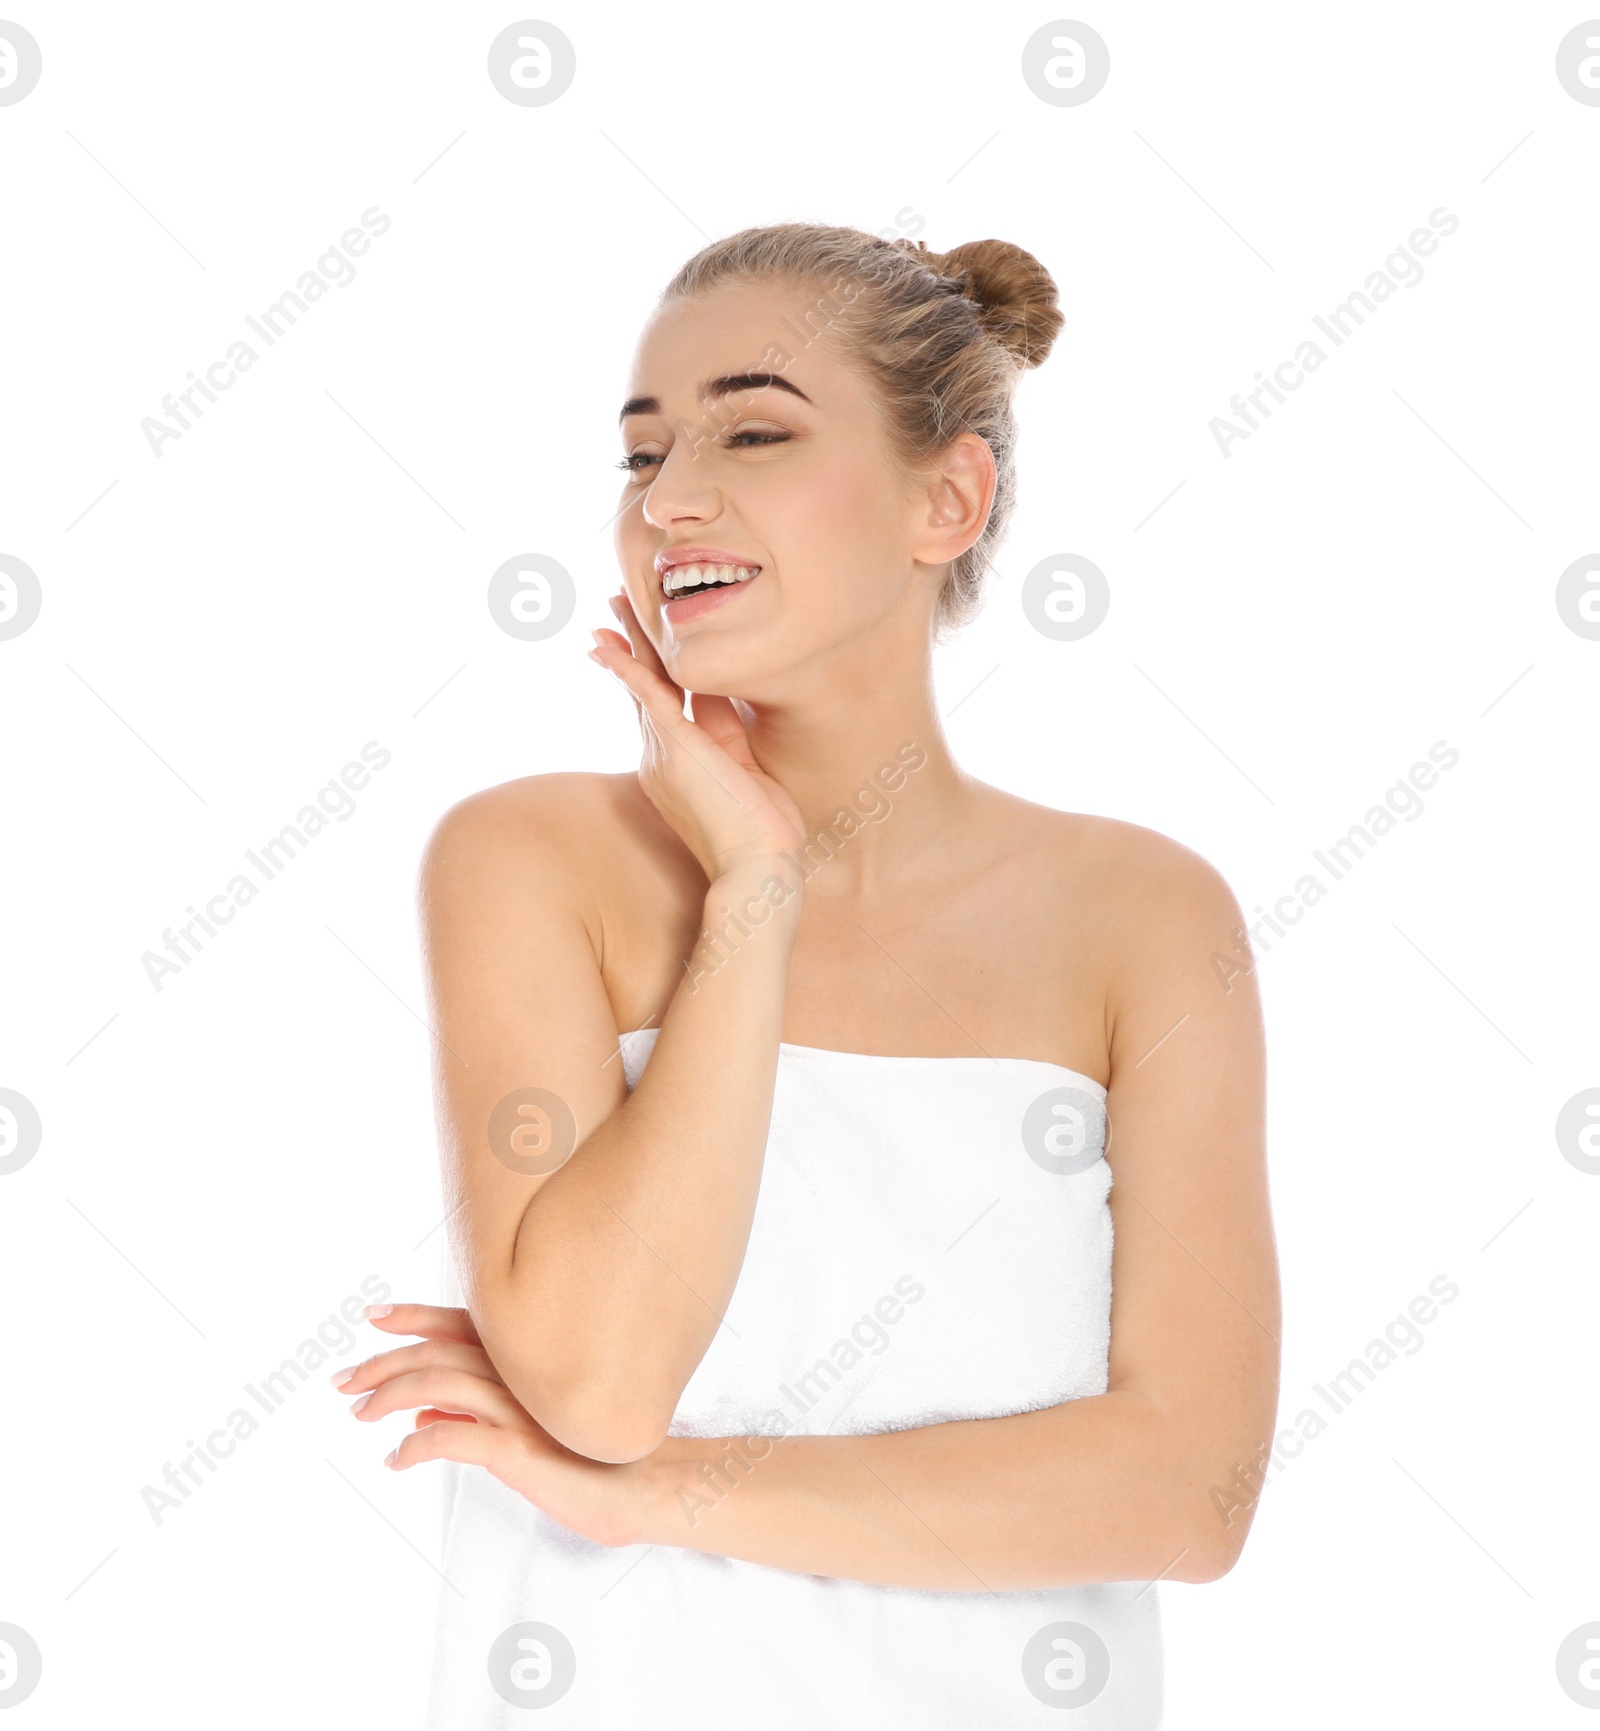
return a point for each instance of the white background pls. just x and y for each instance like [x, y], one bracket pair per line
[305, 570]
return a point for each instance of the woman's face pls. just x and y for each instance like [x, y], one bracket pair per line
[786, 470]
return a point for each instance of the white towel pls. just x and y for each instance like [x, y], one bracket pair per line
[931, 1241]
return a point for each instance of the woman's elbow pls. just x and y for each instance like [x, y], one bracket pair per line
[592, 1415]
[1219, 1542]
[600, 1433]
[596, 1422]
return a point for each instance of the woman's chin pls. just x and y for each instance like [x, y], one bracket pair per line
[713, 671]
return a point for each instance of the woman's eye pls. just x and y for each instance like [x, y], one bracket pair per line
[638, 459]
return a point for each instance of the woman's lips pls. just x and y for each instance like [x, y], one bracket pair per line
[707, 601]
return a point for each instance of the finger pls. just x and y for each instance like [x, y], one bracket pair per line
[439, 1322]
[717, 717]
[454, 1354]
[473, 1445]
[612, 651]
[663, 725]
[658, 697]
[644, 650]
[452, 1391]
[582, 1495]
[605, 652]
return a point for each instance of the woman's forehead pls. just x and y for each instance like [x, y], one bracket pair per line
[689, 349]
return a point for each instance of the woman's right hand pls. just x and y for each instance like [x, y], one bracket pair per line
[701, 775]
[483, 1424]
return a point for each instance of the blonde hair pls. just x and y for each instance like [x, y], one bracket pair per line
[941, 337]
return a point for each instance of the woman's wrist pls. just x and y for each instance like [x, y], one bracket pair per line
[658, 1480]
[748, 915]
[757, 889]
[684, 1480]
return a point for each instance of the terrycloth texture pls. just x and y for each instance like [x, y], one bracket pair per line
[931, 1241]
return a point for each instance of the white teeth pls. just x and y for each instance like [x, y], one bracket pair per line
[678, 577]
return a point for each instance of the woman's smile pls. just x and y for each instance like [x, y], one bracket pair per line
[718, 593]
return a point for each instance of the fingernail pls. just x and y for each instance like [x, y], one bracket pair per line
[597, 637]
[356, 1406]
[388, 1459]
[341, 1377]
[373, 1311]
[616, 605]
[598, 659]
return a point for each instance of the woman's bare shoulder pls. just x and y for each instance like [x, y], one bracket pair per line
[552, 825]
[549, 807]
[1127, 875]
[589, 834]
[1110, 845]
[1151, 922]
[571, 876]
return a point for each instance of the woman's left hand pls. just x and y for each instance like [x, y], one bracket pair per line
[467, 1414]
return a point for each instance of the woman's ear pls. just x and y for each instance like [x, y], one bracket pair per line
[958, 491]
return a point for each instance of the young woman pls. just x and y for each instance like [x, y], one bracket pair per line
[783, 1084]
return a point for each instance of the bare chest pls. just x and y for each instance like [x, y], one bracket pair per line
[1009, 969]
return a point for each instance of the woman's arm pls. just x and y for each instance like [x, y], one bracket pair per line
[1070, 1494]
[600, 1235]
[1051, 1498]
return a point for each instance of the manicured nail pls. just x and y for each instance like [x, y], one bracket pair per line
[388, 1459]
[341, 1377]
[356, 1405]
[599, 640]
[373, 1311]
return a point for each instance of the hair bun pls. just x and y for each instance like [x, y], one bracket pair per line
[1014, 294]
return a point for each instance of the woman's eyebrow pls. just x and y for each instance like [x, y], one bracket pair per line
[723, 386]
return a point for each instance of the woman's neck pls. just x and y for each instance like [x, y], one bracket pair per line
[873, 777]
